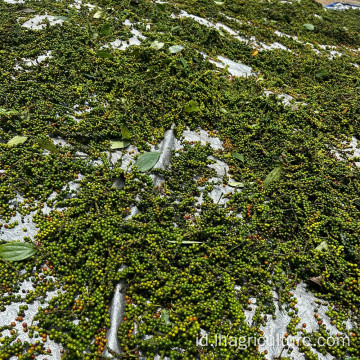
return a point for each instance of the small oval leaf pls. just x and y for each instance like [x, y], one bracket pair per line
[322, 73]
[165, 317]
[105, 30]
[98, 14]
[175, 49]
[157, 45]
[309, 27]
[191, 106]
[104, 55]
[126, 134]
[236, 184]
[323, 246]
[16, 251]
[238, 156]
[147, 161]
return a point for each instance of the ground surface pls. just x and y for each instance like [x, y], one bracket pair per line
[175, 171]
[328, 2]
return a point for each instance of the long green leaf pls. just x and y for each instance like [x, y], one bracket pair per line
[16, 251]
[8, 112]
[147, 161]
[238, 156]
[119, 144]
[184, 63]
[236, 184]
[273, 176]
[126, 134]
[17, 140]
[104, 55]
[47, 144]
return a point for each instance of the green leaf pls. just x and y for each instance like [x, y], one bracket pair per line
[323, 246]
[309, 27]
[357, 203]
[60, 17]
[119, 144]
[147, 161]
[16, 140]
[90, 76]
[105, 161]
[166, 61]
[238, 156]
[105, 55]
[322, 73]
[236, 184]
[175, 49]
[191, 106]
[16, 251]
[25, 10]
[161, 6]
[183, 61]
[274, 175]
[105, 30]
[219, 2]
[185, 242]
[98, 14]
[233, 248]
[47, 144]
[8, 112]
[151, 71]
[157, 45]
[165, 317]
[126, 134]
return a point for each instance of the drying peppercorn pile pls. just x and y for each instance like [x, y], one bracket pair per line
[88, 89]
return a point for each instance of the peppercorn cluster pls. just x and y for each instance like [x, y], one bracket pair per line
[190, 264]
